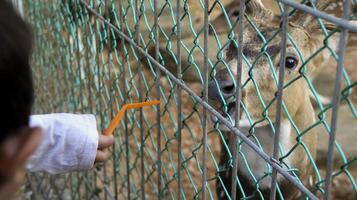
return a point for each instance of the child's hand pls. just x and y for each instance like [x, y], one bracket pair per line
[104, 143]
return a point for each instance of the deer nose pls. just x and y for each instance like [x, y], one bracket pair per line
[221, 88]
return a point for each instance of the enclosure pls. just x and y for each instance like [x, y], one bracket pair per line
[94, 56]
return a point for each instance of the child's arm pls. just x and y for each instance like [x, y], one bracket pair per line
[70, 142]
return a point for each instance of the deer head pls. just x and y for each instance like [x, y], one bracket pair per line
[262, 59]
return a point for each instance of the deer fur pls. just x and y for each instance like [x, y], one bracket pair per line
[309, 38]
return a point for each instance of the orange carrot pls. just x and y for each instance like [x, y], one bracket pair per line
[113, 124]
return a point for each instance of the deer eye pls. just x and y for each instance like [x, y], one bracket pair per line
[235, 13]
[291, 62]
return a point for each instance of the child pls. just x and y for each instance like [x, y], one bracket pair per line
[53, 143]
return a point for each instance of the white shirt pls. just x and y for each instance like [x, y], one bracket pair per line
[70, 142]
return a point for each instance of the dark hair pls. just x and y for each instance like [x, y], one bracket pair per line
[16, 88]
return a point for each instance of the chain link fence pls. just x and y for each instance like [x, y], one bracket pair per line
[231, 123]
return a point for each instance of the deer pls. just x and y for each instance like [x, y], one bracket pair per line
[308, 38]
[221, 27]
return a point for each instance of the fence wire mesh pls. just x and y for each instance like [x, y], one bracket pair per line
[93, 56]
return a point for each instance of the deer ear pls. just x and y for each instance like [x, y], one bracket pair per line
[331, 26]
[257, 10]
[316, 27]
[308, 21]
[318, 39]
[316, 31]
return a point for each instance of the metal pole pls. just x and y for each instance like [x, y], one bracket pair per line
[139, 73]
[205, 97]
[179, 98]
[239, 57]
[158, 97]
[336, 102]
[279, 99]
[122, 21]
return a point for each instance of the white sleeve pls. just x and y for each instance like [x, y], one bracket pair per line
[70, 142]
